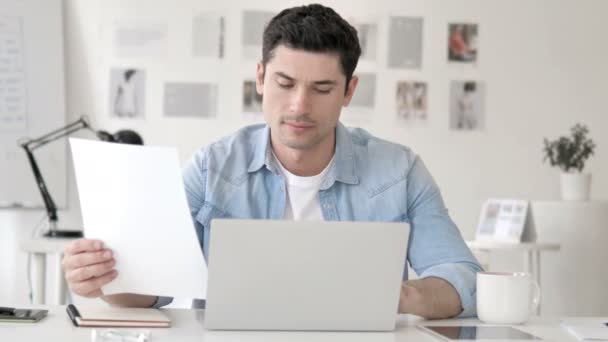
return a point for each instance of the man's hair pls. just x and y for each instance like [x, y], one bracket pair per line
[314, 28]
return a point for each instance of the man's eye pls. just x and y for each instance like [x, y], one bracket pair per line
[323, 91]
[285, 85]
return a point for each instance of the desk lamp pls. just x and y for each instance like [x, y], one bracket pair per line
[122, 136]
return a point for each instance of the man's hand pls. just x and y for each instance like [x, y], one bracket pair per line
[431, 298]
[88, 266]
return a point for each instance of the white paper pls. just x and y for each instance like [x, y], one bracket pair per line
[133, 199]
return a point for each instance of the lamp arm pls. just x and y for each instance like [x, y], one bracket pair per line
[30, 145]
[77, 125]
[49, 204]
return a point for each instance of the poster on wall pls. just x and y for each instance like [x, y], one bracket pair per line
[405, 42]
[467, 100]
[13, 100]
[208, 35]
[252, 33]
[463, 43]
[411, 100]
[502, 220]
[367, 32]
[185, 99]
[139, 40]
[365, 94]
[363, 103]
[127, 93]
[252, 101]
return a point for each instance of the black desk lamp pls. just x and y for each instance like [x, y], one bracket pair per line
[122, 136]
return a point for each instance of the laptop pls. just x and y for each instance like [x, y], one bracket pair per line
[304, 275]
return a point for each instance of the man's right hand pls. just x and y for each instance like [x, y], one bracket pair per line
[88, 266]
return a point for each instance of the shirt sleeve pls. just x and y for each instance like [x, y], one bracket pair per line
[162, 301]
[436, 247]
[194, 175]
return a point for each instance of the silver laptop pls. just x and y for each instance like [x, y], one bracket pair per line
[304, 275]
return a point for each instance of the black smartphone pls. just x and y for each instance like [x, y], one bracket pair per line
[23, 315]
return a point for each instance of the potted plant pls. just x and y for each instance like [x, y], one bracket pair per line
[570, 154]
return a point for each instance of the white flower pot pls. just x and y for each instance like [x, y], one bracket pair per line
[575, 186]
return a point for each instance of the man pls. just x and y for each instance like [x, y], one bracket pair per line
[305, 165]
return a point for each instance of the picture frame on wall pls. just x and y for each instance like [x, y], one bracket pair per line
[503, 220]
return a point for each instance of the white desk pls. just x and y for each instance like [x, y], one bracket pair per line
[188, 325]
[40, 248]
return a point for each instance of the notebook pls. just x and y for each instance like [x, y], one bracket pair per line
[117, 317]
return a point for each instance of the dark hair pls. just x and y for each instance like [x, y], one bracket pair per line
[313, 28]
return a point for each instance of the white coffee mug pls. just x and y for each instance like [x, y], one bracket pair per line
[506, 298]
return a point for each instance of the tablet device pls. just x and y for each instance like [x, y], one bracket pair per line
[477, 333]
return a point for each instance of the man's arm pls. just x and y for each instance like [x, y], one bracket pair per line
[431, 298]
[446, 267]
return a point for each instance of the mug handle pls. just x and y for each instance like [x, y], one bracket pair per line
[536, 297]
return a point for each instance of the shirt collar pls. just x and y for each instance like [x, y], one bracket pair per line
[262, 151]
[344, 169]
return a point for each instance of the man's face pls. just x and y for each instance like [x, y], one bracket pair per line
[303, 96]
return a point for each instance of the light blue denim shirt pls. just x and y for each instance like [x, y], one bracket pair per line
[370, 180]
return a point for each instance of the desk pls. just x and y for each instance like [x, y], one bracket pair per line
[532, 254]
[40, 248]
[188, 325]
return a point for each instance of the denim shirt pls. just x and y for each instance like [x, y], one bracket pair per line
[371, 180]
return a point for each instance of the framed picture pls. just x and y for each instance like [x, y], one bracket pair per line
[502, 220]
[462, 42]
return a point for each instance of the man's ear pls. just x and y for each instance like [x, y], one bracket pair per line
[350, 90]
[259, 79]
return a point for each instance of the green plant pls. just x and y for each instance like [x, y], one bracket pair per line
[570, 152]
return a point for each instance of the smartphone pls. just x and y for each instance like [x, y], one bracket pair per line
[23, 315]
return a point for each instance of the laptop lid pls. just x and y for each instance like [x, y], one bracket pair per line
[304, 275]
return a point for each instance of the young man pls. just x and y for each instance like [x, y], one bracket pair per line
[304, 165]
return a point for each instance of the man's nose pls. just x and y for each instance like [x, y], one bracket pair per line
[300, 102]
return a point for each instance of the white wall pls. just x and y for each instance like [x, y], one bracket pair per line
[543, 63]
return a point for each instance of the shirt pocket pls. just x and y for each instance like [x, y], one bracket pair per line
[388, 202]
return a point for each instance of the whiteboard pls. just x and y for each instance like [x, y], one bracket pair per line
[32, 99]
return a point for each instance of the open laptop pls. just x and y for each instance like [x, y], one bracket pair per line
[304, 275]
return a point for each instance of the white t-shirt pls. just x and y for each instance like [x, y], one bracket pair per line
[303, 194]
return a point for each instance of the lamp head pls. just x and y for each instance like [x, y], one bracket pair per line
[124, 136]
